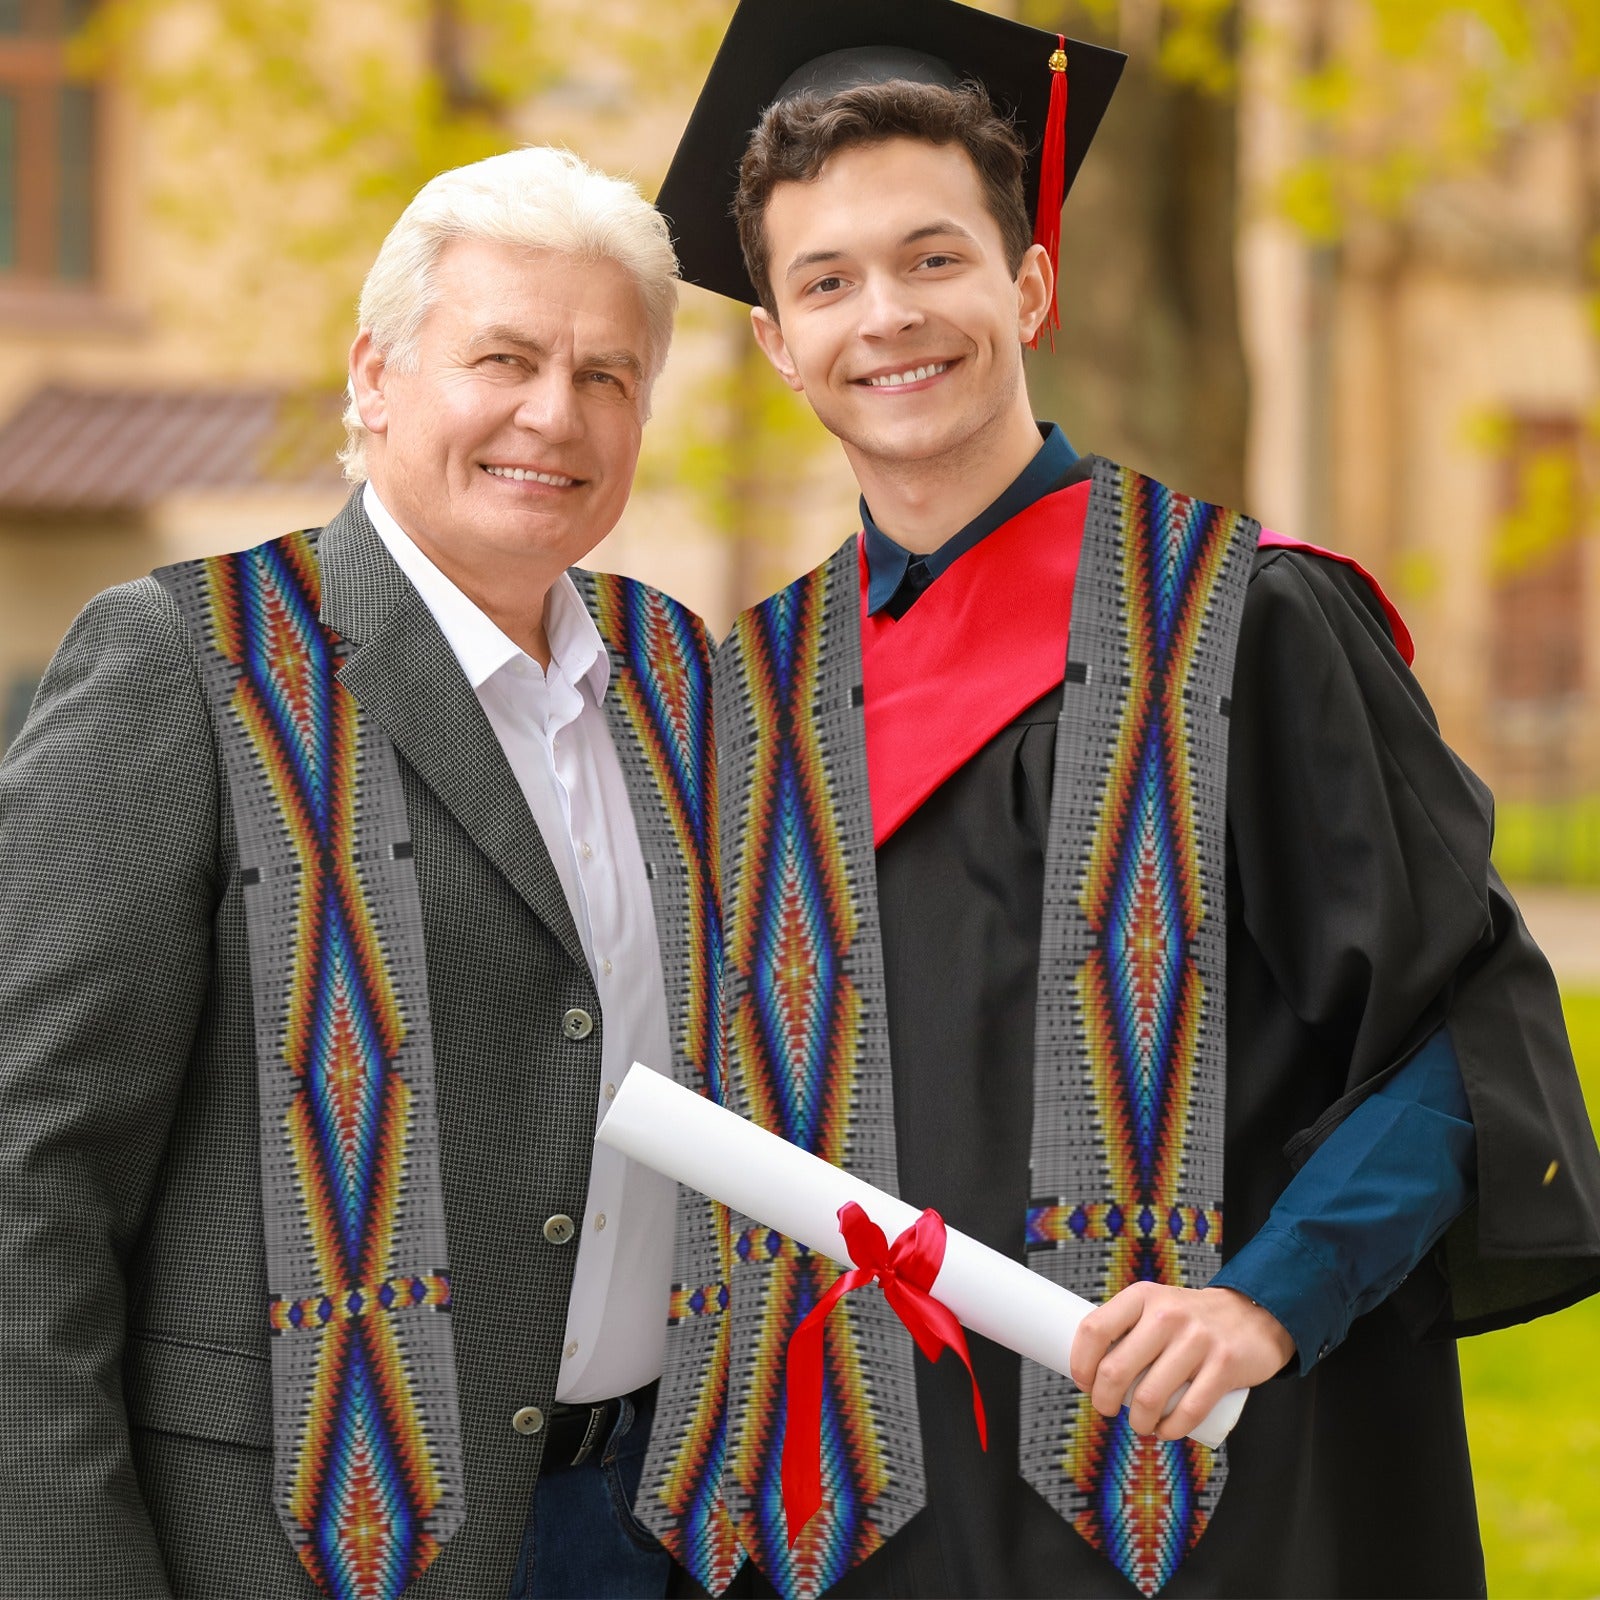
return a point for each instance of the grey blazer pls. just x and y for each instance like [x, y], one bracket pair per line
[135, 1448]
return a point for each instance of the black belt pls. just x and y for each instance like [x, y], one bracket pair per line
[573, 1433]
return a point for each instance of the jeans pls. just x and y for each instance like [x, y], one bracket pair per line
[583, 1541]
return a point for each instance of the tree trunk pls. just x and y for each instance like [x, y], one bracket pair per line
[1148, 366]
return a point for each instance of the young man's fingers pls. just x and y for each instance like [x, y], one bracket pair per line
[1207, 1386]
[1101, 1329]
[1179, 1361]
[1124, 1362]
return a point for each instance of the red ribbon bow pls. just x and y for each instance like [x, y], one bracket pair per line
[906, 1269]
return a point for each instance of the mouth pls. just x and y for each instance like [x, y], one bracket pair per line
[551, 480]
[918, 377]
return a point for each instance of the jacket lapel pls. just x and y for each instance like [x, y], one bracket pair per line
[404, 675]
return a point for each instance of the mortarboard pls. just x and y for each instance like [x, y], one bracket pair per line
[777, 48]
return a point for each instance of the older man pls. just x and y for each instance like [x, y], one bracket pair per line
[338, 882]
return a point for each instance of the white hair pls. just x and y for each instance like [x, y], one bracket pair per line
[537, 197]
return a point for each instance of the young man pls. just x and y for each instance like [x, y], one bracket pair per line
[1087, 936]
[339, 881]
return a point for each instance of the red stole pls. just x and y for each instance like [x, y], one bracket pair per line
[981, 645]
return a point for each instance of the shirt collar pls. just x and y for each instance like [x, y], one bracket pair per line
[478, 642]
[887, 561]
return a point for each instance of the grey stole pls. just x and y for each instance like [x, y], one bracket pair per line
[769, 649]
[271, 870]
[1068, 1149]
[1089, 800]
[679, 1495]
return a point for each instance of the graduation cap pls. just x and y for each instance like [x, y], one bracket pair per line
[1055, 91]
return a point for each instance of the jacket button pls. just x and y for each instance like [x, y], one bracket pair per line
[559, 1229]
[577, 1024]
[530, 1419]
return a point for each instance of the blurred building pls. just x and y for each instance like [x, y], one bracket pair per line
[121, 445]
[1426, 396]
[1423, 394]
[160, 400]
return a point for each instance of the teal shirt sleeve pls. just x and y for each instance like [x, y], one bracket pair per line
[1366, 1207]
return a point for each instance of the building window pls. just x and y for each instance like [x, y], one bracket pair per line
[1539, 642]
[47, 147]
[1538, 567]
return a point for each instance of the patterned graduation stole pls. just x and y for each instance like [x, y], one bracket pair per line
[367, 1473]
[1129, 1076]
[808, 1058]
[1129, 1069]
[659, 715]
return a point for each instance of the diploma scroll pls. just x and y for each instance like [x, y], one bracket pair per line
[674, 1131]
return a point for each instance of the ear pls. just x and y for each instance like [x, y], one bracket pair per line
[367, 373]
[1036, 283]
[774, 347]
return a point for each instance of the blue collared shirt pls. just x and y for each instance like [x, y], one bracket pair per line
[1379, 1192]
[895, 574]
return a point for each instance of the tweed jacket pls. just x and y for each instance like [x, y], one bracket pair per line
[137, 1453]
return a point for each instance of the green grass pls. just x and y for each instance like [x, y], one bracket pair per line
[1533, 1415]
[1548, 841]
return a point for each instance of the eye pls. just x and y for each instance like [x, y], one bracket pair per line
[606, 378]
[937, 261]
[502, 358]
[827, 285]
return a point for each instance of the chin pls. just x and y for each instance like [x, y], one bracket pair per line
[916, 441]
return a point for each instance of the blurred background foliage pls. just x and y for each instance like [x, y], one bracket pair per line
[298, 132]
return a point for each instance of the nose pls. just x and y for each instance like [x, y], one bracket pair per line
[888, 307]
[549, 406]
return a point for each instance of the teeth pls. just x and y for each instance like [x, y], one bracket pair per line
[913, 375]
[518, 475]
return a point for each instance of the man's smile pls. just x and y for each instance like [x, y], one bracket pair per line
[911, 377]
[554, 480]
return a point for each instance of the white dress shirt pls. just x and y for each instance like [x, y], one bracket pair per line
[550, 724]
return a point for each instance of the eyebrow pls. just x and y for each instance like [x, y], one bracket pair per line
[504, 333]
[940, 228]
[624, 360]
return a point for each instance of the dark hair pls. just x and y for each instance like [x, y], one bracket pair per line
[795, 138]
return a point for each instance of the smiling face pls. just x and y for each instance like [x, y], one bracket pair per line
[509, 448]
[898, 316]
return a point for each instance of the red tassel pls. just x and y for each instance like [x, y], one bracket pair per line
[1052, 183]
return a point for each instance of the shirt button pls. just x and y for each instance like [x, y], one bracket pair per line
[530, 1419]
[577, 1023]
[600, 1222]
[571, 1350]
[607, 968]
[559, 1229]
[588, 850]
[611, 1091]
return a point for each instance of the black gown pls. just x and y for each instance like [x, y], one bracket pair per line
[1362, 912]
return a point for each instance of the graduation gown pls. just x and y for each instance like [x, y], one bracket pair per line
[1362, 913]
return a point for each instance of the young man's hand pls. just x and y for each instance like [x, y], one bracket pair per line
[1212, 1339]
